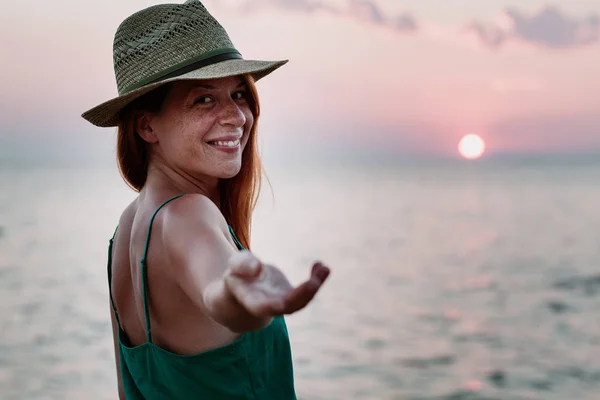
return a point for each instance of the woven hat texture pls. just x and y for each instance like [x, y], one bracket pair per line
[169, 42]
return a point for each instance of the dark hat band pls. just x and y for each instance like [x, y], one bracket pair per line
[204, 60]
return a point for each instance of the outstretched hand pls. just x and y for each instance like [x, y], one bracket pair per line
[263, 290]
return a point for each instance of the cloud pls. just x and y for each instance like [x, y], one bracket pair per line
[549, 28]
[490, 35]
[361, 10]
[308, 6]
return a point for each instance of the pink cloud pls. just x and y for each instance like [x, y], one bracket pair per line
[362, 10]
[549, 27]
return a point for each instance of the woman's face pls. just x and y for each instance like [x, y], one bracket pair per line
[202, 127]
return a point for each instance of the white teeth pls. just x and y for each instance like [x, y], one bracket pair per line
[231, 143]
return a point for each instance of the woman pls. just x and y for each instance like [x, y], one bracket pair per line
[195, 314]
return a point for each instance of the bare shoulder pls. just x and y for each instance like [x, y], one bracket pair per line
[127, 217]
[192, 210]
[195, 242]
[192, 222]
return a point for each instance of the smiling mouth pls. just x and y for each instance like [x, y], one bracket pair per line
[225, 143]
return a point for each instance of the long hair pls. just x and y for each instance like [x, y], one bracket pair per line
[238, 195]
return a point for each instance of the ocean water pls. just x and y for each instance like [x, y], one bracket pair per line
[449, 281]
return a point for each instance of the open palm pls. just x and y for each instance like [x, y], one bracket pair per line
[265, 291]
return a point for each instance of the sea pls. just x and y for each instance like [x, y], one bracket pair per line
[450, 280]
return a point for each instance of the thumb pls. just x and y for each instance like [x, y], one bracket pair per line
[244, 264]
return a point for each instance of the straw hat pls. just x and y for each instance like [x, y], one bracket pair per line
[169, 42]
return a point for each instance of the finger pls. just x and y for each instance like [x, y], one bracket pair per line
[300, 297]
[303, 294]
[315, 267]
[245, 264]
[320, 271]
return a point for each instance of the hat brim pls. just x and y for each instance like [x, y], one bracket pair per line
[107, 114]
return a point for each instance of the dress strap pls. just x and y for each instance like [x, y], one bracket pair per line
[239, 244]
[144, 268]
[109, 268]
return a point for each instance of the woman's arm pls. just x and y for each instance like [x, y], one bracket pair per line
[234, 288]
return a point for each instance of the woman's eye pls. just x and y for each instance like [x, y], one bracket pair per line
[202, 100]
[239, 95]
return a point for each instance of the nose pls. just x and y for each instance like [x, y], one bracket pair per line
[232, 115]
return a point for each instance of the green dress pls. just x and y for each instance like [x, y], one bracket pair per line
[258, 365]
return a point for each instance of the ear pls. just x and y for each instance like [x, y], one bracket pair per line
[143, 126]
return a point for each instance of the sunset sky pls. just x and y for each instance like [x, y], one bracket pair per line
[402, 76]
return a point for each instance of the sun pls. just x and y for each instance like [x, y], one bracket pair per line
[471, 146]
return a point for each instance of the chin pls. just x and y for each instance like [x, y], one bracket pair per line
[228, 171]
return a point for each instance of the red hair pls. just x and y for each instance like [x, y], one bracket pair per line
[239, 194]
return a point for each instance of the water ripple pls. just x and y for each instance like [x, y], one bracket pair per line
[446, 284]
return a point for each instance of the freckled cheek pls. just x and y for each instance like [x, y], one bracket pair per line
[191, 144]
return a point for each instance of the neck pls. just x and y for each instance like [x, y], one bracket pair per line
[164, 179]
